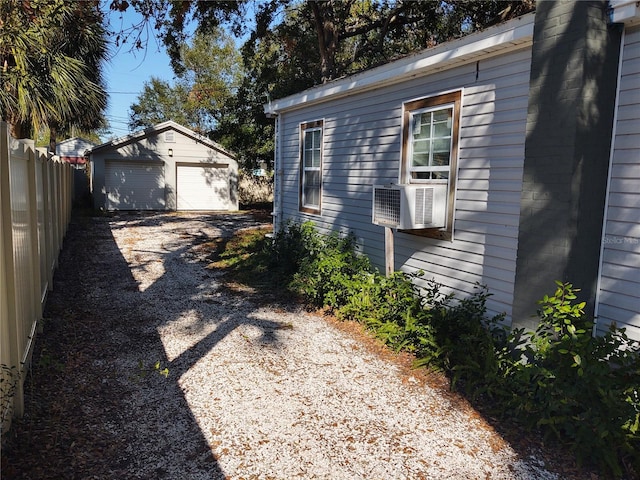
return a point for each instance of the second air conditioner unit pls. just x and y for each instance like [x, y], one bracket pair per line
[410, 207]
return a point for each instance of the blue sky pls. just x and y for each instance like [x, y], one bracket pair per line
[128, 70]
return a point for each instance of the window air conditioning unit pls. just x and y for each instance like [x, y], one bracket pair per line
[410, 207]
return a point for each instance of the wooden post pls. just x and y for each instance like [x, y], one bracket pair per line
[388, 251]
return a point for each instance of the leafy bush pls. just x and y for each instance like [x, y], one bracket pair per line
[582, 390]
[465, 342]
[392, 307]
[291, 245]
[330, 269]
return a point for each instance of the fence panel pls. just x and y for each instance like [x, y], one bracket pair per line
[7, 286]
[35, 210]
[42, 237]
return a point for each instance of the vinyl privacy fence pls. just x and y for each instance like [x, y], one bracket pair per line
[35, 209]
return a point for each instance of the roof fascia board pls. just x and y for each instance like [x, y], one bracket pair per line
[132, 137]
[502, 38]
[75, 139]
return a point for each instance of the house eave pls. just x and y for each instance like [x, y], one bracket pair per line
[512, 35]
[624, 11]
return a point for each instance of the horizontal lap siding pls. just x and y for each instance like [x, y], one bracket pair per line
[185, 149]
[362, 142]
[619, 295]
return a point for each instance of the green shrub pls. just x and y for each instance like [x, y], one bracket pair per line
[582, 390]
[329, 270]
[291, 245]
[465, 342]
[392, 308]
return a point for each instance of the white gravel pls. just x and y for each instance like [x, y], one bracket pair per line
[275, 394]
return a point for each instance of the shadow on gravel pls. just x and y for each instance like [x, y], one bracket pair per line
[92, 410]
[97, 403]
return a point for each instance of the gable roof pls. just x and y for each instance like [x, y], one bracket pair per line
[75, 141]
[511, 35]
[156, 129]
[73, 150]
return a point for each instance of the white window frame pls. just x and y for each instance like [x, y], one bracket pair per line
[430, 168]
[411, 109]
[305, 170]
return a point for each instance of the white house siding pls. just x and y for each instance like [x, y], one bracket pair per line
[73, 147]
[362, 141]
[619, 294]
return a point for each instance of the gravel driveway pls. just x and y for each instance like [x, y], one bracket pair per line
[253, 391]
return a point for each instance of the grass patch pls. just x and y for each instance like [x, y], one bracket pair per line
[245, 257]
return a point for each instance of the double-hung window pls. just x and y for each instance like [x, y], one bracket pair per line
[430, 146]
[430, 143]
[311, 167]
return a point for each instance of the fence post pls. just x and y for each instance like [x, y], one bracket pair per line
[7, 287]
[10, 341]
[48, 221]
[68, 195]
[33, 238]
[55, 191]
[41, 225]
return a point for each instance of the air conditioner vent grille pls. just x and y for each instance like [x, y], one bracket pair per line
[424, 206]
[387, 206]
[410, 207]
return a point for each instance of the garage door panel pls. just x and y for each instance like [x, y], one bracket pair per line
[202, 187]
[134, 186]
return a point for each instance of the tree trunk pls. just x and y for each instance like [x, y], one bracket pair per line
[53, 133]
[327, 39]
[19, 129]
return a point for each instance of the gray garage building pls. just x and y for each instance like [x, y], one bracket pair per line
[165, 167]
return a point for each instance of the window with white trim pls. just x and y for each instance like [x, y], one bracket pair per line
[311, 167]
[430, 146]
[430, 143]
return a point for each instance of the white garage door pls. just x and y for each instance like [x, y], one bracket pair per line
[134, 186]
[203, 187]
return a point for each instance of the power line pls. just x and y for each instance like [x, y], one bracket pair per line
[117, 118]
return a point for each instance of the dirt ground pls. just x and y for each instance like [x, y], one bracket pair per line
[150, 367]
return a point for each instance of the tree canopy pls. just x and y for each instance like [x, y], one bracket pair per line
[347, 35]
[210, 78]
[160, 101]
[51, 55]
[290, 45]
